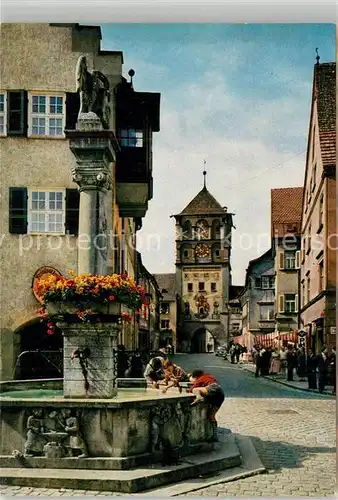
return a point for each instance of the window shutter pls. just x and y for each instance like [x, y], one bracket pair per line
[296, 303]
[298, 259]
[281, 304]
[18, 210]
[281, 260]
[72, 109]
[72, 211]
[17, 113]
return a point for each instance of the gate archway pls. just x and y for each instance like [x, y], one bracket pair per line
[198, 341]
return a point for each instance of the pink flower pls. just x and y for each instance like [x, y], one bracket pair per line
[111, 297]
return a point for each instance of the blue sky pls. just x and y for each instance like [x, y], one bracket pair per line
[236, 95]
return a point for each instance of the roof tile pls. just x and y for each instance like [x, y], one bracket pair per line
[286, 207]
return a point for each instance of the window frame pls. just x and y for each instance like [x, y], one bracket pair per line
[270, 312]
[288, 301]
[289, 256]
[266, 279]
[125, 136]
[201, 288]
[4, 113]
[190, 287]
[47, 115]
[30, 210]
[165, 322]
[213, 287]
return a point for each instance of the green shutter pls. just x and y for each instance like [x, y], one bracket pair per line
[18, 210]
[72, 109]
[17, 113]
[72, 211]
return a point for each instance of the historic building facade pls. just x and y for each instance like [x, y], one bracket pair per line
[286, 213]
[319, 224]
[40, 201]
[258, 299]
[168, 309]
[203, 272]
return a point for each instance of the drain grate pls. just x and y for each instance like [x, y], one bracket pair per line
[282, 412]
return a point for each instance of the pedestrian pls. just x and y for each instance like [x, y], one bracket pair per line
[136, 366]
[301, 364]
[232, 354]
[323, 369]
[258, 360]
[154, 372]
[122, 361]
[282, 355]
[311, 369]
[266, 358]
[275, 362]
[207, 389]
[237, 352]
[290, 363]
[333, 370]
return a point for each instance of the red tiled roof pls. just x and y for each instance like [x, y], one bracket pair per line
[328, 147]
[286, 205]
[325, 93]
[203, 203]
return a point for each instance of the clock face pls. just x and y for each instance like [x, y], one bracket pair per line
[202, 251]
[202, 230]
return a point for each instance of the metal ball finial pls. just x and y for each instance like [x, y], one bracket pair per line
[318, 56]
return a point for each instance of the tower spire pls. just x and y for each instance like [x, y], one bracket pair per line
[204, 175]
[318, 56]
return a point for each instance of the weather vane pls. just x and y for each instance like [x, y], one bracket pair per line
[204, 173]
[318, 56]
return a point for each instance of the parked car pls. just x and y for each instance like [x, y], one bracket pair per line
[220, 351]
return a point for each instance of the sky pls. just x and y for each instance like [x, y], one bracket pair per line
[235, 95]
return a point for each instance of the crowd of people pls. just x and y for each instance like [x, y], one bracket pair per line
[319, 370]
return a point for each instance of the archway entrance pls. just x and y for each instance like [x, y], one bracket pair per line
[198, 341]
[41, 355]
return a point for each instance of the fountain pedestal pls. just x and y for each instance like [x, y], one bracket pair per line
[94, 376]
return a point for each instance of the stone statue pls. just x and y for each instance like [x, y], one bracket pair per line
[94, 92]
[35, 442]
[75, 443]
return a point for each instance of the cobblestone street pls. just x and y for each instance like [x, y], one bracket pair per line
[293, 432]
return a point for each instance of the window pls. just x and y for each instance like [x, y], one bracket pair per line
[267, 282]
[303, 294]
[267, 312]
[132, 138]
[213, 287]
[235, 327]
[165, 324]
[321, 211]
[165, 308]
[308, 289]
[321, 276]
[46, 115]
[217, 253]
[3, 117]
[289, 260]
[290, 303]
[308, 249]
[190, 287]
[258, 282]
[314, 174]
[46, 213]
[201, 286]
[185, 253]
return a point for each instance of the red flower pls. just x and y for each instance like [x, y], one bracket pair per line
[111, 297]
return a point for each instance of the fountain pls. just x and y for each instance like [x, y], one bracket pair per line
[84, 431]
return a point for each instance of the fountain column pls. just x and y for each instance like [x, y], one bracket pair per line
[89, 369]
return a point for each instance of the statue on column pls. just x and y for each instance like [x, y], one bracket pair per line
[94, 92]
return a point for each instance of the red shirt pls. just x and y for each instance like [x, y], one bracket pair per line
[203, 381]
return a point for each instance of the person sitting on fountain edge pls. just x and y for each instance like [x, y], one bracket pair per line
[207, 389]
[154, 371]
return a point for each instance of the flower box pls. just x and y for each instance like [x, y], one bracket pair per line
[94, 308]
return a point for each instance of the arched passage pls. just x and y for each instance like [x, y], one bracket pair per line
[198, 341]
[41, 355]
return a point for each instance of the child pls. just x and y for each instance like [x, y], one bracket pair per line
[173, 375]
[154, 371]
[207, 389]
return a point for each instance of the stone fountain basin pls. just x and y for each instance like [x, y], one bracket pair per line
[119, 433]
